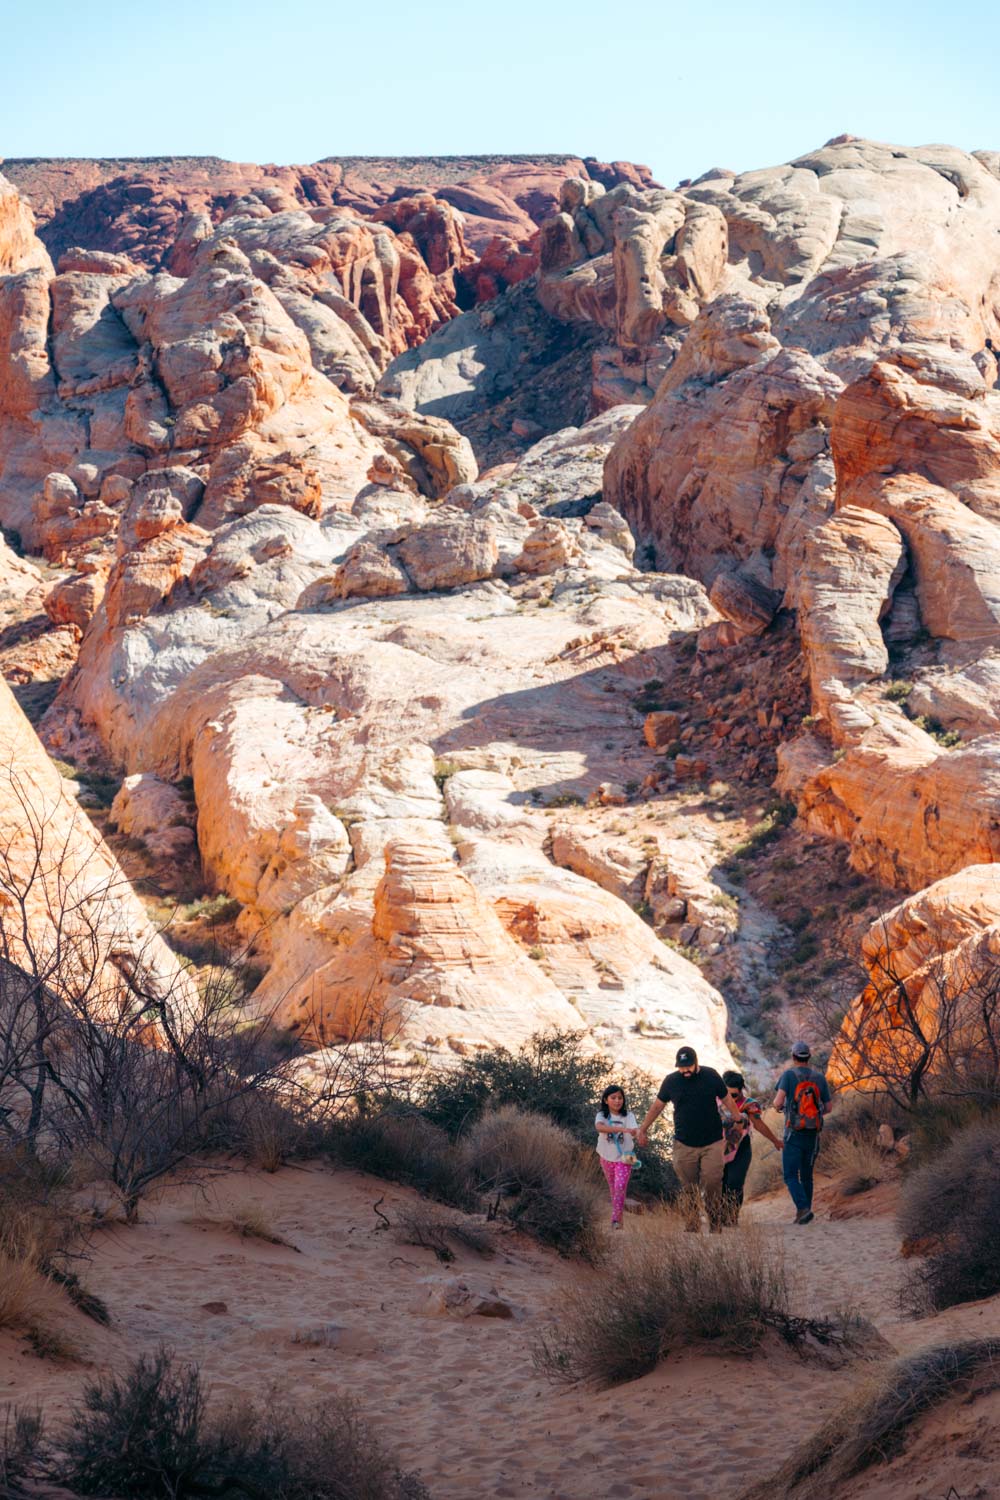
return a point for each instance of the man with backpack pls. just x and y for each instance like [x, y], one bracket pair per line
[804, 1095]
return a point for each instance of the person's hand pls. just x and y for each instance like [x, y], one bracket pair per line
[643, 1137]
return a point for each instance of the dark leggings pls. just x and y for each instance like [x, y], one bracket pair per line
[733, 1178]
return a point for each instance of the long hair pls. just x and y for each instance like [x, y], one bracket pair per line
[613, 1088]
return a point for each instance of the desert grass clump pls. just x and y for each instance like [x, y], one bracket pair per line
[249, 1222]
[950, 1204]
[536, 1173]
[856, 1157]
[666, 1290]
[872, 1425]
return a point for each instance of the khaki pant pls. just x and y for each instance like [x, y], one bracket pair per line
[700, 1167]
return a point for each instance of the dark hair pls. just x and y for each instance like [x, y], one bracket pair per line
[613, 1088]
[732, 1079]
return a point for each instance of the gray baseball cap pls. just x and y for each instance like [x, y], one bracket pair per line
[802, 1049]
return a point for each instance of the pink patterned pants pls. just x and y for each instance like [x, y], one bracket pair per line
[618, 1174]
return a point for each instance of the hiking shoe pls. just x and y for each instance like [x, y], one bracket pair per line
[616, 1223]
[806, 1218]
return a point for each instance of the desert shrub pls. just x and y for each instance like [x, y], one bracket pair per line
[328, 1452]
[36, 1219]
[952, 1202]
[666, 1290]
[944, 1116]
[401, 1147]
[22, 1449]
[552, 1076]
[872, 1424]
[148, 1435]
[536, 1172]
[857, 1158]
[271, 1132]
[141, 1434]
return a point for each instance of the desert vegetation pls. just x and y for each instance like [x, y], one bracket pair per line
[875, 1422]
[152, 1433]
[666, 1291]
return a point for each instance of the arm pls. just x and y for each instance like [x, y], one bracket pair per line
[607, 1127]
[765, 1130]
[653, 1113]
[779, 1100]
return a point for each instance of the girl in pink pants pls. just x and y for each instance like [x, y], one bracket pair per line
[616, 1131]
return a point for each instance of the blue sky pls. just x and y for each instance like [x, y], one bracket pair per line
[683, 87]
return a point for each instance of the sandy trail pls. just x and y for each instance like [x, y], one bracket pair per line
[458, 1398]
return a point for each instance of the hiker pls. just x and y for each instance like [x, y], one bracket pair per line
[804, 1095]
[740, 1119]
[616, 1132]
[695, 1093]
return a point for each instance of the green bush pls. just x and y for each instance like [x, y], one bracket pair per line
[402, 1146]
[552, 1076]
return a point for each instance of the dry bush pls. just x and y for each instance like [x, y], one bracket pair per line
[536, 1172]
[30, 1304]
[666, 1290]
[856, 1157]
[148, 1435]
[402, 1147]
[23, 1450]
[872, 1425]
[141, 1434]
[952, 1201]
[431, 1231]
[328, 1452]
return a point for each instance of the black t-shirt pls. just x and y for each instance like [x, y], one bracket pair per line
[697, 1121]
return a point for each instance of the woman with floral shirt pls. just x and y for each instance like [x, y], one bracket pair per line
[740, 1116]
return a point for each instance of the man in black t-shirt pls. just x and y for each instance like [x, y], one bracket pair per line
[695, 1093]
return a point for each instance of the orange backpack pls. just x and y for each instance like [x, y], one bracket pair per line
[805, 1106]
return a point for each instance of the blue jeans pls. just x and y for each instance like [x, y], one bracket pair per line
[798, 1157]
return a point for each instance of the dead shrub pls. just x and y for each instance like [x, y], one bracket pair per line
[667, 1290]
[952, 1202]
[535, 1171]
[872, 1425]
[431, 1231]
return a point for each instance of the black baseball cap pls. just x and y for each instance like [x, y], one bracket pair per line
[687, 1057]
[801, 1049]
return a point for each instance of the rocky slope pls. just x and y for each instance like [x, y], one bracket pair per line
[751, 434]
